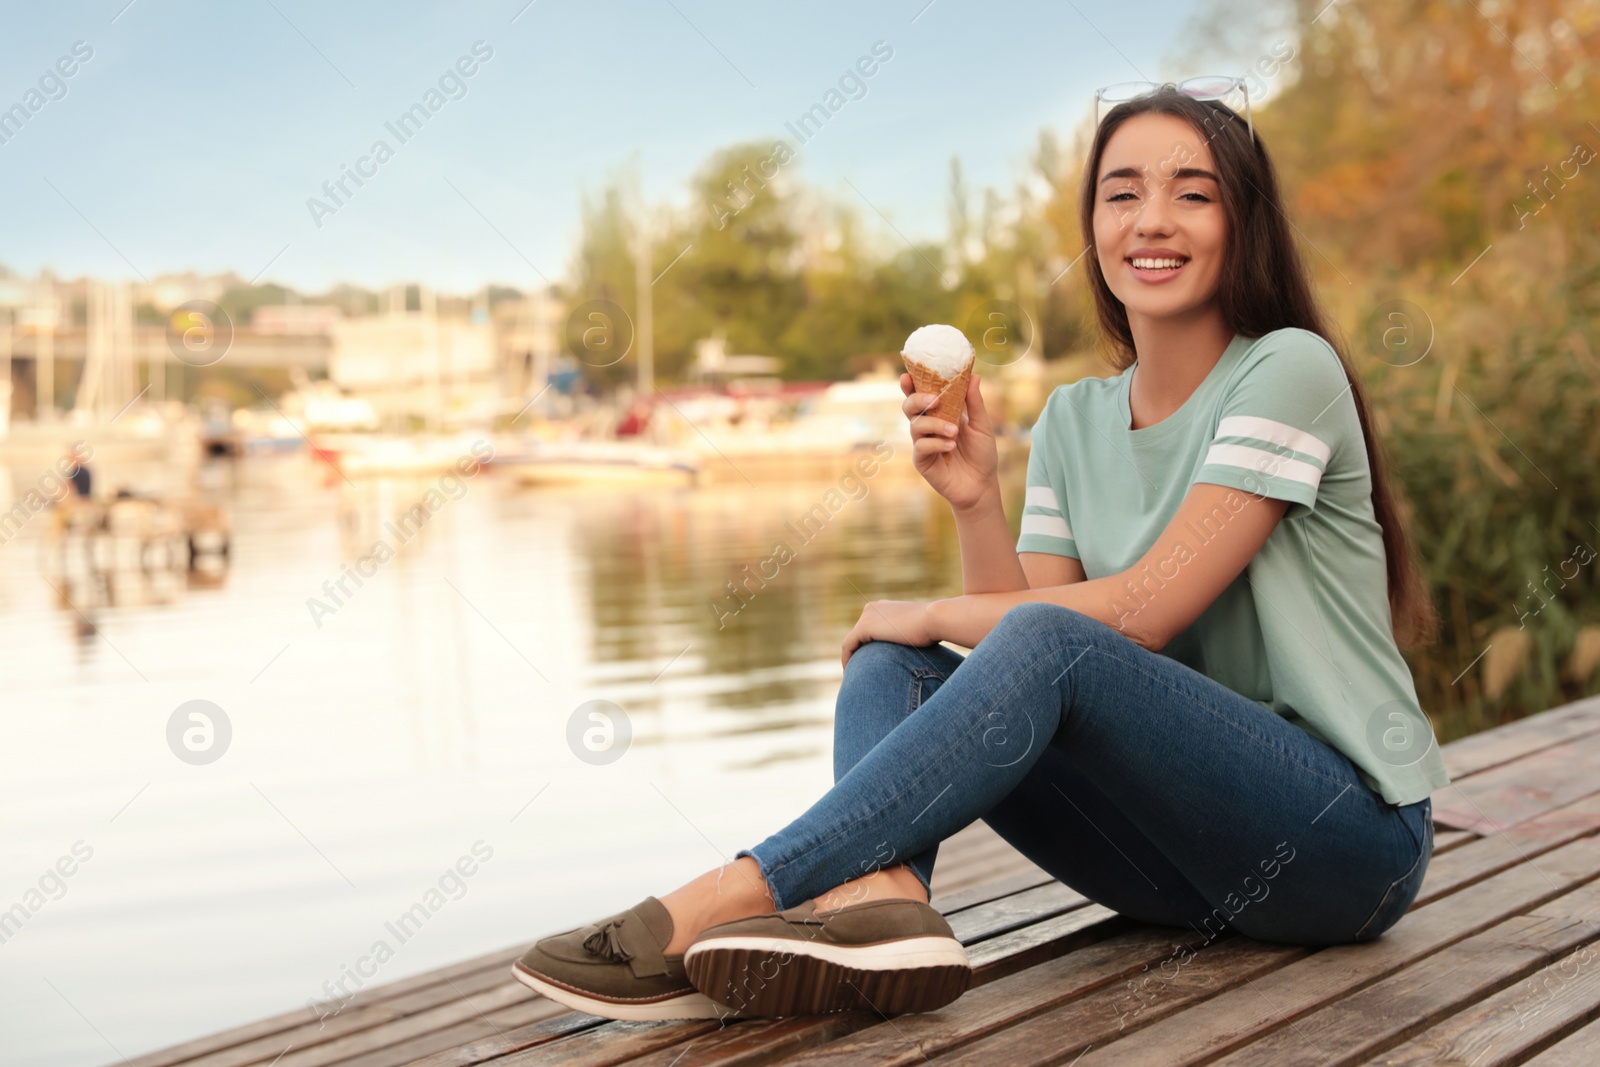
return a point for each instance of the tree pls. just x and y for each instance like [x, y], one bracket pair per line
[743, 269]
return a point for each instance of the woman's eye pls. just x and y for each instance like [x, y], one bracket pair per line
[1201, 197]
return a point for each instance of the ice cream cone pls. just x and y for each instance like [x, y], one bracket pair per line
[952, 392]
[939, 358]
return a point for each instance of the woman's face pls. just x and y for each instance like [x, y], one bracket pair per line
[1157, 200]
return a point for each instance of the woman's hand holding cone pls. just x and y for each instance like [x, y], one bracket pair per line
[960, 465]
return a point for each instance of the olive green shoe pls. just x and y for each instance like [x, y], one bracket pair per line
[884, 956]
[616, 969]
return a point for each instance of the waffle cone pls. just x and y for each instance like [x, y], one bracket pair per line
[952, 392]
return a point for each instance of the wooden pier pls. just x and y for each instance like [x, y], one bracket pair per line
[1497, 963]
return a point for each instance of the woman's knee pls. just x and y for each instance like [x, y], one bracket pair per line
[883, 683]
[1039, 620]
[876, 658]
[884, 678]
[880, 674]
[891, 657]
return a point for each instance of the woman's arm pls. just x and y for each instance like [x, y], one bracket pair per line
[990, 562]
[1212, 537]
[1159, 596]
[966, 472]
[961, 462]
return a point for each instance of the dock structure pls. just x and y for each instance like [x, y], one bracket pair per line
[1497, 963]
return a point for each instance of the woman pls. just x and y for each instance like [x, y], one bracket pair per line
[1185, 697]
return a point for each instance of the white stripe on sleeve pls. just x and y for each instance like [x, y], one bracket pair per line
[1046, 526]
[1041, 496]
[1260, 461]
[1278, 433]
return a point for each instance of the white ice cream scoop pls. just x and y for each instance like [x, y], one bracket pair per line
[943, 349]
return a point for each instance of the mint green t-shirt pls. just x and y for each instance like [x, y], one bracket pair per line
[1305, 630]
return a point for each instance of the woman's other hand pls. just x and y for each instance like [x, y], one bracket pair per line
[904, 622]
[959, 461]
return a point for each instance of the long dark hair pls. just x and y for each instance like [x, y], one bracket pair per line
[1264, 287]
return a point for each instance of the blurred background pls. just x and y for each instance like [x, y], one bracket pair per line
[443, 432]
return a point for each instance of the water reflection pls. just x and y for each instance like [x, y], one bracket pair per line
[134, 547]
[720, 608]
[732, 598]
[419, 712]
[680, 572]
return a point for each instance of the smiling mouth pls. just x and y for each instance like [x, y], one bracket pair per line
[1156, 264]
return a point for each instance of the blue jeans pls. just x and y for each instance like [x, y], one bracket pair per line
[1137, 781]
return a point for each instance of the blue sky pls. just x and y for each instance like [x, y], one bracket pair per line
[195, 134]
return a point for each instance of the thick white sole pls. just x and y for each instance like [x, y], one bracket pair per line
[689, 1005]
[778, 976]
[889, 956]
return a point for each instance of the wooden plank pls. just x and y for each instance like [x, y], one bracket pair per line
[513, 1040]
[981, 874]
[1031, 945]
[394, 1031]
[1581, 904]
[1063, 1034]
[949, 903]
[1518, 844]
[759, 1041]
[1014, 912]
[1504, 1028]
[613, 1043]
[300, 1020]
[308, 1035]
[974, 856]
[1446, 840]
[370, 1007]
[348, 1024]
[1108, 966]
[1502, 744]
[407, 1051]
[1403, 1005]
[1575, 1050]
[1234, 1018]
[1512, 792]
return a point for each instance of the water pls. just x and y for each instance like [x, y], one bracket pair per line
[415, 729]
